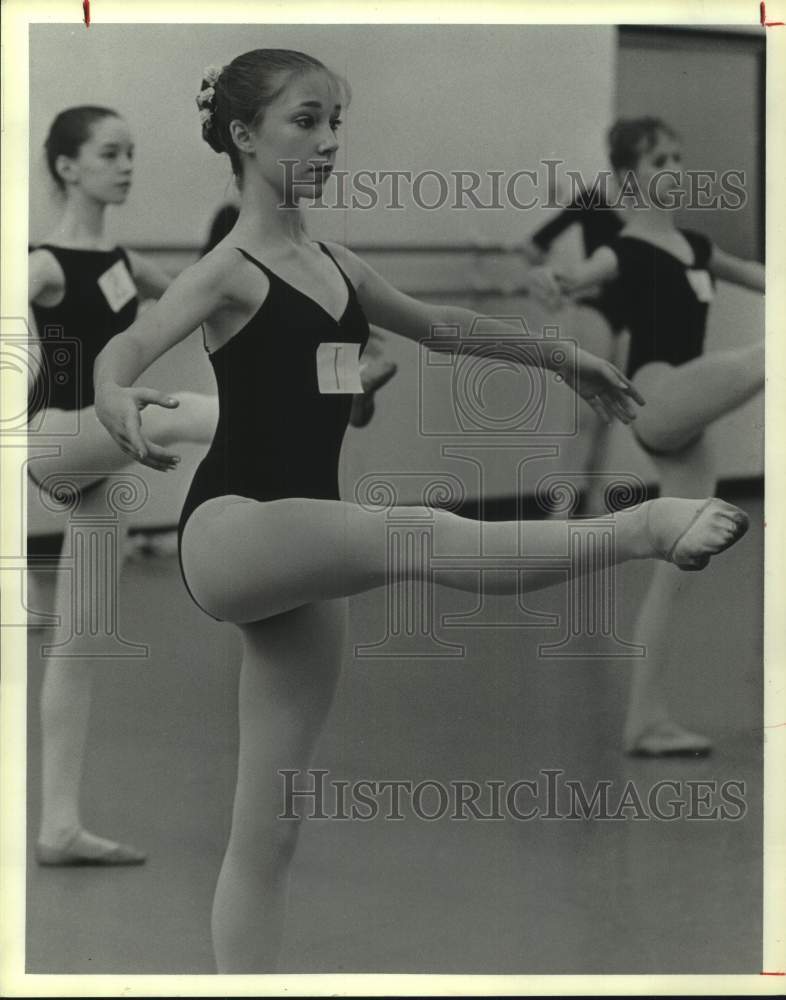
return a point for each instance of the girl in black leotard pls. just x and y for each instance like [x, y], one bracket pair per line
[665, 279]
[82, 291]
[600, 224]
[593, 317]
[376, 371]
[266, 541]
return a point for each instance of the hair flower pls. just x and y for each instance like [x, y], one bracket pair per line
[211, 75]
[205, 97]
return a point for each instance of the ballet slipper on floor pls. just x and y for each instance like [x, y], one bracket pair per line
[669, 741]
[373, 377]
[78, 851]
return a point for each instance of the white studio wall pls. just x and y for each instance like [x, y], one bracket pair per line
[442, 99]
[475, 98]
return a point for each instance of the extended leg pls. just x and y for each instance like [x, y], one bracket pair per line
[683, 401]
[245, 561]
[91, 451]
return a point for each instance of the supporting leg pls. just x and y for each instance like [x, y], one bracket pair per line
[66, 697]
[649, 726]
[290, 668]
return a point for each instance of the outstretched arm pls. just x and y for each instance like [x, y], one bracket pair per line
[597, 381]
[43, 276]
[550, 284]
[151, 280]
[598, 269]
[543, 237]
[190, 300]
[727, 267]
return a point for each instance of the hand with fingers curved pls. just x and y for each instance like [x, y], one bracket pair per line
[602, 385]
[119, 410]
[544, 285]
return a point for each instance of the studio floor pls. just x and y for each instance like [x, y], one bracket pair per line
[446, 896]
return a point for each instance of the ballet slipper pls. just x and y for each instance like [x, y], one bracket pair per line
[72, 854]
[714, 527]
[669, 741]
[373, 377]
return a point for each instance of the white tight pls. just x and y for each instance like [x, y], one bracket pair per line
[66, 693]
[245, 561]
[282, 570]
[683, 401]
[681, 404]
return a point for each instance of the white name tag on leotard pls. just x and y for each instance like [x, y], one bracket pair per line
[117, 285]
[338, 368]
[701, 284]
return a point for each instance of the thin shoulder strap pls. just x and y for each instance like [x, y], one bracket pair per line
[258, 263]
[701, 247]
[341, 270]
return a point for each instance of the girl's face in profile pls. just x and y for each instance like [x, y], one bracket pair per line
[659, 170]
[102, 167]
[295, 145]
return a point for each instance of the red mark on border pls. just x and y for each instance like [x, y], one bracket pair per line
[772, 973]
[86, 9]
[767, 24]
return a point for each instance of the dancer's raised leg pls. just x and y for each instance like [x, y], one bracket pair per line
[92, 453]
[245, 560]
[682, 401]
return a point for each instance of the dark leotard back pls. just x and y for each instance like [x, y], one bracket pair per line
[75, 331]
[277, 434]
[600, 225]
[660, 298]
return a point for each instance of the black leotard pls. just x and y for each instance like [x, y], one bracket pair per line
[600, 225]
[75, 331]
[277, 435]
[661, 308]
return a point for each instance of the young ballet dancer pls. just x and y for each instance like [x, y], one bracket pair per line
[593, 316]
[83, 289]
[376, 370]
[599, 223]
[266, 541]
[663, 279]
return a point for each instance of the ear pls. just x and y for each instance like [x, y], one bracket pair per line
[65, 168]
[241, 136]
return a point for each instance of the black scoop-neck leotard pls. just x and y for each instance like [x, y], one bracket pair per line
[664, 302]
[277, 435]
[74, 332]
